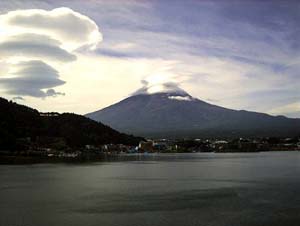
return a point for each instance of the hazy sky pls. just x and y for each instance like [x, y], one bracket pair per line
[92, 53]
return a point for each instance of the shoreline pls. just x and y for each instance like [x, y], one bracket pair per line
[28, 160]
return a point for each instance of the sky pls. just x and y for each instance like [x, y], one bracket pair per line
[82, 55]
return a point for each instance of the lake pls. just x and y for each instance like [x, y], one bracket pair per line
[209, 189]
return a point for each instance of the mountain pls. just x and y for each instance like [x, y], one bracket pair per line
[177, 114]
[18, 122]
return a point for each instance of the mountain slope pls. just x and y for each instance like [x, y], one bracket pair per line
[180, 115]
[19, 122]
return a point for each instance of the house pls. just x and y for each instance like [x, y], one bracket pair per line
[220, 145]
[146, 146]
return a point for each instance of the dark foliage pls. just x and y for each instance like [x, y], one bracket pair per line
[19, 123]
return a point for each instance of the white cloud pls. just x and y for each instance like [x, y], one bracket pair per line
[32, 78]
[73, 29]
[123, 46]
[286, 109]
[35, 44]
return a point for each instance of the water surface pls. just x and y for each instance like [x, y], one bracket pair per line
[161, 189]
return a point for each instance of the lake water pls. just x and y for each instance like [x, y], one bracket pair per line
[204, 189]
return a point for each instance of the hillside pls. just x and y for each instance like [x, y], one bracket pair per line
[18, 122]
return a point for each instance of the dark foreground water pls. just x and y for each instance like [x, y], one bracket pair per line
[176, 190]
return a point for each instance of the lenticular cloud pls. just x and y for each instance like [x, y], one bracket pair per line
[41, 39]
[69, 27]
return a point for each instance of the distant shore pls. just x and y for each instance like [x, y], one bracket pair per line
[103, 157]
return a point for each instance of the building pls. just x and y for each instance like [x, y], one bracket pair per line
[220, 145]
[146, 146]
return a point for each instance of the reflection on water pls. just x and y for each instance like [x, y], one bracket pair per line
[159, 189]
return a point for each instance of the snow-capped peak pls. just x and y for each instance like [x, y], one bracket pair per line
[181, 98]
[171, 89]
